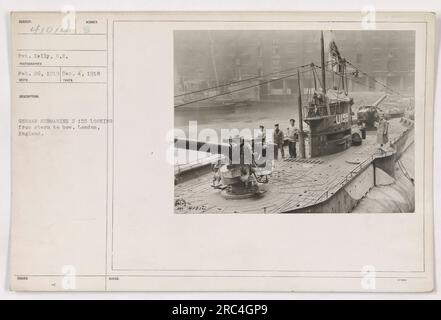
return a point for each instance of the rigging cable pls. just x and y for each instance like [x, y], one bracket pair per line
[405, 172]
[370, 77]
[239, 81]
[280, 78]
[350, 78]
[240, 89]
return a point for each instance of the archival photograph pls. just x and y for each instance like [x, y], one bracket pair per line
[222, 152]
[294, 121]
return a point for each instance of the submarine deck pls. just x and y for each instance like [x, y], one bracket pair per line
[294, 183]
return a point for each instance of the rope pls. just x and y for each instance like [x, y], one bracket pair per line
[239, 81]
[405, 172]
[346, 77]
[313, 66]
[240, 89]
[367, 75]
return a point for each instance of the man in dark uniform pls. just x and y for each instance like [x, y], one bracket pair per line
[278, 140]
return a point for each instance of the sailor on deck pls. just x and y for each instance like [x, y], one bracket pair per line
[382, 131]
[261, 136]
[216, 174]
[292, 136]
[278, 139]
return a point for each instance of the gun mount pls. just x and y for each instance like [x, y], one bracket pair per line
[244, 165]
[371, 113]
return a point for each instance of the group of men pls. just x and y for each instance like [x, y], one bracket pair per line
[291, 136]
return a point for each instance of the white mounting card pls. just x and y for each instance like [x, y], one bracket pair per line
[146, 156]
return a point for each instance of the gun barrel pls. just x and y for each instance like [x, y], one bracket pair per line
[224, 149]
[376, 103]
[195, 145]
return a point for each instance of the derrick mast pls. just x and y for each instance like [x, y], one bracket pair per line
[329, 113]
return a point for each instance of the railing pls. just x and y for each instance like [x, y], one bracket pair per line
[357, 170]
[360, 167]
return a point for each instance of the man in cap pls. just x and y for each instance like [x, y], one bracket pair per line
[292, 136]
[262, 134]
[382, 131]
[278, 139]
